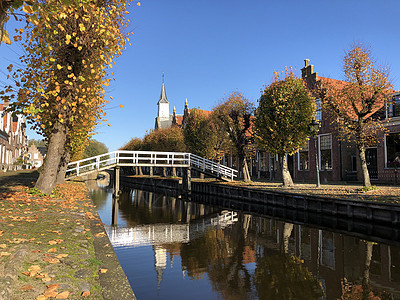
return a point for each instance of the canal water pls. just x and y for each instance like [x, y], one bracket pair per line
[170, 248]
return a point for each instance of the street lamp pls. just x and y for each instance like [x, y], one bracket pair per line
[314, 128]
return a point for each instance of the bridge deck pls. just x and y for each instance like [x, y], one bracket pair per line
[123, 158]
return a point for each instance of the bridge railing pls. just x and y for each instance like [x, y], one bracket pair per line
[210, 166]
[148, 158]
[152, 158]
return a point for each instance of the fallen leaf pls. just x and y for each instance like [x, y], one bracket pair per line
[52, 250]
[85, 294]
[34, 268]
[103, 271]
[4, 253]
[2, 246]
[63, 295]
[61, 255]
[100, 234]
[50, 294]
[41, 297]
[52, 260]
[26, 287]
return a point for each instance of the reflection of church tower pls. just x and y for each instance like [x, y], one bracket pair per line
[160, 263]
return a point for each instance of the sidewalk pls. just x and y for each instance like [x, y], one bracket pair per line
[54, 247]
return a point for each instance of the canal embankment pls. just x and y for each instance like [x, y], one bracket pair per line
[379, 205]
[54, 246]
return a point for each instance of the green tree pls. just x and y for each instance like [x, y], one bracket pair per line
[94, 148]
[352, 104]
[70, 48]
[37, 143]
[233, 116]
[283, 116]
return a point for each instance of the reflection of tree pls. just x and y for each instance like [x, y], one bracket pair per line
[99, 197]
[279, 276]
[221, 256]
[364, 290]
[140, 207]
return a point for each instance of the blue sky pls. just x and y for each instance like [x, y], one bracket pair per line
[208, 49]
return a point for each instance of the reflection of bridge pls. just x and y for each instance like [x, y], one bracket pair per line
[159, 234]
[149, 159]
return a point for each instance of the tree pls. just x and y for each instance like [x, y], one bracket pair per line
[200, 134]
[135, 144]
[234, 116]
[167, 139]
[69, 49]
[352, 103]
[283, 116]
[94, 148]
[37, 143]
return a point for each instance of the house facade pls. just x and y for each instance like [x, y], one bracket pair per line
[338, 160]
[13, 140]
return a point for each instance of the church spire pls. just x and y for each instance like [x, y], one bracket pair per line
[163, 96]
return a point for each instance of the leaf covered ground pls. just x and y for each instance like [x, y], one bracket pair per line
[46, 245]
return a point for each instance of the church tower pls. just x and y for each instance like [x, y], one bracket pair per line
[163, 104]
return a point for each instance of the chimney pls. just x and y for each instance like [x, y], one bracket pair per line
[306, 62]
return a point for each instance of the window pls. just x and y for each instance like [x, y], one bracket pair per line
[318, 116]
[394, 107]
[354, 163]
[392, 150]
[35, 155]
[325, 152]
[303, 158]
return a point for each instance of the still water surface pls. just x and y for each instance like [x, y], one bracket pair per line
[173, 249]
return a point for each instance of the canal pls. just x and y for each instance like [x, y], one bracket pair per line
[170, 248]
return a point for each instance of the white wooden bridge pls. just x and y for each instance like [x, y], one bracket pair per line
[123, 158]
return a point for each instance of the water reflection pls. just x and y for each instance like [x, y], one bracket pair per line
[171, 248]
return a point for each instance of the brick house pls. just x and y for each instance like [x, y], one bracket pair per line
[337, 159]
[13, 139]
[36, 155]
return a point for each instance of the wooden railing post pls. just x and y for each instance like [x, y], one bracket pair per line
[77, 168]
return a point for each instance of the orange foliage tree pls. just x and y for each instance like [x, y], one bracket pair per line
[233, 116]
[353, 104]
[202, 136]
[167, 139]
[70, 46]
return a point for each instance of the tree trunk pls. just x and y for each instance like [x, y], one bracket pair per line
[164, 172]
[286, 177]
[174, 172]
[245, 169]
[287, 232]
[364, 168]
[47, 178]
[4, 6]
[62, 168]
[367, 264]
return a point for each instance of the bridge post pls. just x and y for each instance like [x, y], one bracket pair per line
[151, 171]
[115, 197]
[187, 180]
